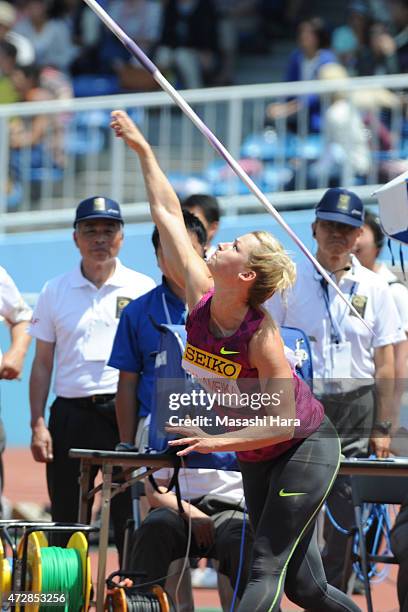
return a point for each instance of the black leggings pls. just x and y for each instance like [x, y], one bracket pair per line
[285, 552]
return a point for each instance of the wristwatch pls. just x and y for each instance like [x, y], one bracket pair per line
[383, 427]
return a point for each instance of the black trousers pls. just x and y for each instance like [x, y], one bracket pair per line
[74, 424]
[162, 538]
[283, 498]
[353, 415]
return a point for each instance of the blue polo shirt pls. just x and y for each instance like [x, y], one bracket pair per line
[137, 340]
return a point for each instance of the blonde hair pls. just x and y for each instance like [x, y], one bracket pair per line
[275, 270]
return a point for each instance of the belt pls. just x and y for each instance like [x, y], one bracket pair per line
[90, 400]
[352, 394]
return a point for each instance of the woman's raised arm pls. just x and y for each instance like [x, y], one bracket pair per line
[186, 266]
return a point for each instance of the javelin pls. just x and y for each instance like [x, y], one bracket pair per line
[137, 52]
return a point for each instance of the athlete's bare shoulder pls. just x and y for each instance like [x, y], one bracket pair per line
[266, 338]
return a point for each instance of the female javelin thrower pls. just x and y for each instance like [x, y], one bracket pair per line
[287, 469]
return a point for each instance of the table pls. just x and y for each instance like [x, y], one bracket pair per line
[107, 460]
[130, 461]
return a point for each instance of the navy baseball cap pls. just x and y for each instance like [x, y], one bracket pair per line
[98, 208]
[341, 206]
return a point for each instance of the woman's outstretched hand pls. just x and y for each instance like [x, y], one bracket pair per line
[195, 440]
[126, 129]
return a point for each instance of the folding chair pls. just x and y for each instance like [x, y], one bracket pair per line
[375, 490]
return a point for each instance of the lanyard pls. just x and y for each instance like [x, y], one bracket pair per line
[182, 319]
[335, 329]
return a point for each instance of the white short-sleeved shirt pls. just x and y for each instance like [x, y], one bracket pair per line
[399, 293]
[12, 306]
[306, 309]
[201, 481]
[82, 320]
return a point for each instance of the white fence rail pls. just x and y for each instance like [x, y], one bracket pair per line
[79, 156]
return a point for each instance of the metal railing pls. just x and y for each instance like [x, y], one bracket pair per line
[79, 156]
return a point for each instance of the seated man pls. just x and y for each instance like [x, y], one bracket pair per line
[216, 509]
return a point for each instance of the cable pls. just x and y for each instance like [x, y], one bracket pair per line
[62, 573]
[142, 602]
[241, 561]
[375, 512]
[189, 537]
[333, 521]
[379, 512]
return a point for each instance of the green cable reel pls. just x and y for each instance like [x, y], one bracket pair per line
[58, 570]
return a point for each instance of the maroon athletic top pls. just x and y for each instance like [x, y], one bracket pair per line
[226, 359]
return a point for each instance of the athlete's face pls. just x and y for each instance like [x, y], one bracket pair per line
[231, 258]
[98, 240]
[335, 239]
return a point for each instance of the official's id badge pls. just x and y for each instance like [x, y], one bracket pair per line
[121, 303]
[338, 359]
[359, 302]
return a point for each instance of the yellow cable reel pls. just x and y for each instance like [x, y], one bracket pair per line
[80, 543]
[36, 541]
[5, 573]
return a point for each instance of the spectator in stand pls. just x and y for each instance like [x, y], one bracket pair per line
[279, 18]
[232, 14]
[25, 50]
[8, 54]
[141, 19]
[51, 38]
[380, 55]
[40, 134]
[380, 11]
[399, 14]
[8, 95]
[87, 31]
[364, 45]
[189, 41]
[346, 156]
[26, 80]
[304, 65]
[350, 42]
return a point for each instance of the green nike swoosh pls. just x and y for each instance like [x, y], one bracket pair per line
[282, 493]
[224, 351]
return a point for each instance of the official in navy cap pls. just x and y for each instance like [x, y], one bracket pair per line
[353, 369]
[74, 323]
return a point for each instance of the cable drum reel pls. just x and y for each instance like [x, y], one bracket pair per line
[52, 569]
[123, 598]
[6, 572]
